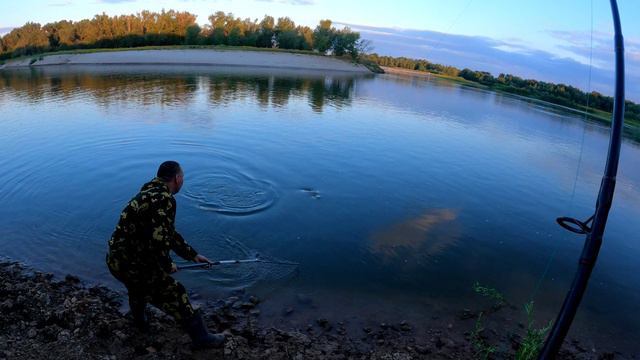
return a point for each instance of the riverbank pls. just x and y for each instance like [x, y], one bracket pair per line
[199, 56]
[48, 318]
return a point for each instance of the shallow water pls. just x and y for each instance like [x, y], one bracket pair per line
[394, 194]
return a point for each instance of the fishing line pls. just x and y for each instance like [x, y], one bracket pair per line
[582, 225]
[438, 41]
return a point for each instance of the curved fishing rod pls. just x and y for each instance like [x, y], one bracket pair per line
[594, 233]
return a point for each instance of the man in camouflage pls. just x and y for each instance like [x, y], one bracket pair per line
[139, 255]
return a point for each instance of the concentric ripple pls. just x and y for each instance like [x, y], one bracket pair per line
[229, 192]
[237, 276]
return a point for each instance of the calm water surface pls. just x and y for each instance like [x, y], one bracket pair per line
[395, 194]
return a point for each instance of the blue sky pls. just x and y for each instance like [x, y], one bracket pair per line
[543, 39]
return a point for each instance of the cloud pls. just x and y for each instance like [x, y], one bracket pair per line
[569, 66]
[290, 2]
[426, 235]
[61, 3]
[115, 1]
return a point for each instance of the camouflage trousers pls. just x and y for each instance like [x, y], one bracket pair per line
[159, 290]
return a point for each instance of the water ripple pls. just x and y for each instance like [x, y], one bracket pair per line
[230, 192]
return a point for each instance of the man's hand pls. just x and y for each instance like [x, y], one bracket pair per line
[174, 267]
[201, 259]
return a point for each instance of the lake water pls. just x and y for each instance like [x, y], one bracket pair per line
[395, 194]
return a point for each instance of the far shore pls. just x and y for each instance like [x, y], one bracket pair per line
[598, 115]
[210, 57]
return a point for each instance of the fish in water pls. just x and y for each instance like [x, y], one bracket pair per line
[311, 192]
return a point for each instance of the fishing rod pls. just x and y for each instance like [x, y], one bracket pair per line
[207, 265]
[598, 221]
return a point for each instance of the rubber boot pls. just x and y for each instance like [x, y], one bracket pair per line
[201, 337]
[138, 313]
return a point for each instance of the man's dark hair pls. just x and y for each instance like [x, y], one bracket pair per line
[168, 170]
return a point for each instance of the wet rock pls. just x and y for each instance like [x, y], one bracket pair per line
[404, 326]
[230, 300]
[120, 335]
[71, 279]
[64, 335]
[248, 305]
[288, 311]
[6, 305]
[423, 350]
[466, 314]
[323, 323]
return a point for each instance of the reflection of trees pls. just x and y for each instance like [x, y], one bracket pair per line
[105, 89]
[278, 91]
[146, 88]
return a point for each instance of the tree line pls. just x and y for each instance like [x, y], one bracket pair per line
[561, 94]
[172, 27]
[178, 28]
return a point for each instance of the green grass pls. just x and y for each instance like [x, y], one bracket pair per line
[490, 293]
[483, 350]
[532, 341]
[535, 337]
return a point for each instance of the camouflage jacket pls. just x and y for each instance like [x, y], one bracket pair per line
[145, 233]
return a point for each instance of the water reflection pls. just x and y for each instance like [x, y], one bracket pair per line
[421, 237]
[177, 86]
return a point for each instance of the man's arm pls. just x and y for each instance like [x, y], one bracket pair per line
[180, 247]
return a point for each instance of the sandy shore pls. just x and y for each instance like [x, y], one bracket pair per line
[247, 58]
[400, 71]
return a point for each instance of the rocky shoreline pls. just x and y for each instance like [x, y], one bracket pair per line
[48, 318]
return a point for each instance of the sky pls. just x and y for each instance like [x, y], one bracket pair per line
[559, 41]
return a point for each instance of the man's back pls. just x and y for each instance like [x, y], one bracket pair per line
[142, 236]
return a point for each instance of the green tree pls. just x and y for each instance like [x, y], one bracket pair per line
[345, 42]
[235, 37]
[218, 22]
[323, 36]
[286, 35]
[26, 40]
[62, 34]
[192, 36]
[266, 32]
